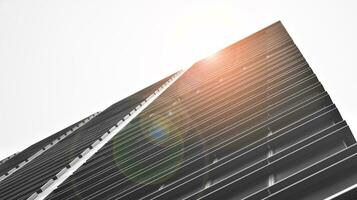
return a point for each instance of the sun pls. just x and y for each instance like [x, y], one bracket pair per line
[202, 31]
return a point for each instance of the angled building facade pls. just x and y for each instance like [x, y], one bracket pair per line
[251, 122]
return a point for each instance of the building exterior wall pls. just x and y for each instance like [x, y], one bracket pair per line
[251, 122]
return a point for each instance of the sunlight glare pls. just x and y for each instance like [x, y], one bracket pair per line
[201, 33]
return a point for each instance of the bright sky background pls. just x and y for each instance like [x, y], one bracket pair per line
[62, 60]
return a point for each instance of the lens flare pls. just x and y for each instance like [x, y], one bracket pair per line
[138, 151]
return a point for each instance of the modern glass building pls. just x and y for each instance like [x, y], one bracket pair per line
[251, 122]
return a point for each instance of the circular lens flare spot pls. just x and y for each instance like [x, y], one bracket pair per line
[149, 150]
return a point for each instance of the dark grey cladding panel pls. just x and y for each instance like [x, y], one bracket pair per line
[338, 173]
[29, 151]
[36, 173]
[254, 117]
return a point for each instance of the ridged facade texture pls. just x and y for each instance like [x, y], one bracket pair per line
[251, 122]
[30, 178]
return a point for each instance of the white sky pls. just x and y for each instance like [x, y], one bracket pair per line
[62, 60]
